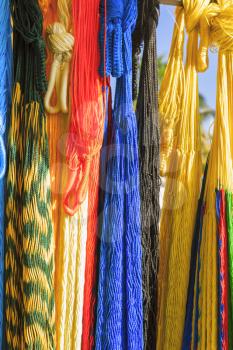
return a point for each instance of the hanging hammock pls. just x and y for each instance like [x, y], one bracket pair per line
[29, 261]
[70, 232]
[84, 142]
[183, 182]
[147, 116]
[5, 100]
[209, 321]
[119, 320]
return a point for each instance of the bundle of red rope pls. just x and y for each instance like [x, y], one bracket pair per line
[87, 117]
[84, 142]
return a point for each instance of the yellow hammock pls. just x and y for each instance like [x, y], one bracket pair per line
[181, 159]
[216, 28]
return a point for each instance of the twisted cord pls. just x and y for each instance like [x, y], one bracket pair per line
[148, 129]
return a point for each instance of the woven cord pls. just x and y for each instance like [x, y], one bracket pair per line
[119, 321]
[29, 265]
[5, 101]
[148, 129]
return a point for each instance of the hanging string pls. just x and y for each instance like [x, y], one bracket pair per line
[147, 116]
[29, 236]
[120, 280]
[5, 101]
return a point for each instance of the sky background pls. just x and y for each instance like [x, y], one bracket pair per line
[207, 80]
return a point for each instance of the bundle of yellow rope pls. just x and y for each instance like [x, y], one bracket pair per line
[181, 161]
[180, 119]
[216, 28]
[70, 232]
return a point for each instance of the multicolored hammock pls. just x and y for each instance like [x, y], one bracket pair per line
[209, 308]
[29, 257]
[5, 101]
[183, 167]
[119, 319]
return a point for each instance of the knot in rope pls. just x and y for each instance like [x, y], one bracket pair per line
[193, 11]
[60, 42]
[216, 29]
[116, 58]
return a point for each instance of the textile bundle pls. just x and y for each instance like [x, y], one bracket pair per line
[205, 316]
[29, 257]
[86, 261]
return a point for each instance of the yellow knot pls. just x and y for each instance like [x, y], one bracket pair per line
[216, 28]
[60, 43]
[193, 12]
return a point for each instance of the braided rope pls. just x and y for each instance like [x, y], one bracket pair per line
[148, 129]
[30, 314]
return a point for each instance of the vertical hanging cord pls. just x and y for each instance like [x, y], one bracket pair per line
[148, 129]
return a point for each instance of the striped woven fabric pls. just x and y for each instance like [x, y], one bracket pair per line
[5, 100]
[29, 262]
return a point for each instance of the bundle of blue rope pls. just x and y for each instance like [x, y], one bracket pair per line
[119, 306]
[5, 101]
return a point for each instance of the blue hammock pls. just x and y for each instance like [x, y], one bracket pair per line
[119, 322]
[5, 100]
